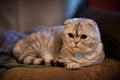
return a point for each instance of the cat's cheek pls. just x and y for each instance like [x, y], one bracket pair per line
[68, 40]
[72, 44]
[81, 46]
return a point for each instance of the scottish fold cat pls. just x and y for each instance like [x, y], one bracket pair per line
[75, 44]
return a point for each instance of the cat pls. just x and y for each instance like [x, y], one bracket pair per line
[75, 44]
[82, 44]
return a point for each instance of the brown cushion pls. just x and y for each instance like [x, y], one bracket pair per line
[108, 70]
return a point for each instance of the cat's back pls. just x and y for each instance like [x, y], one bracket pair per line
[43, 34]
[44, 42]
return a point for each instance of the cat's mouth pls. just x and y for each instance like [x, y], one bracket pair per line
[76, 47]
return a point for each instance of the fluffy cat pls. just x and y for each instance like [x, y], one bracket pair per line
[82, 44]
[75, 45]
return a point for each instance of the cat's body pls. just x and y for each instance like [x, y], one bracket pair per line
[39, 46]
[75, 45]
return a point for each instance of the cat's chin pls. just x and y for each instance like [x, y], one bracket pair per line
[76, 49]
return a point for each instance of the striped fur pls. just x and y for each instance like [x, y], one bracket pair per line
[61, 43]
[39, 46]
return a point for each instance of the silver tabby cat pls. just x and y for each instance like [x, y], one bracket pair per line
[75, 45]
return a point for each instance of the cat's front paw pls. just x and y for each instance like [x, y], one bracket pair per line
[72, 66]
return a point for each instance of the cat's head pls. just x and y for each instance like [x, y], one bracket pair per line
[80, 34]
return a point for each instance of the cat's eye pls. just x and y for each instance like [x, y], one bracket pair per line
[70, 35]
[83, 36]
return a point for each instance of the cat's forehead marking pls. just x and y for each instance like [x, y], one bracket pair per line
[77, 26]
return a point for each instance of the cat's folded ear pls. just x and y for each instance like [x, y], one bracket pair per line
[91, 23]
[68, 21]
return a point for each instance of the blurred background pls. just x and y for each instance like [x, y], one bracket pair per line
[24, 15]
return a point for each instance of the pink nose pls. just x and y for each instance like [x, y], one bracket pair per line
[76, 42]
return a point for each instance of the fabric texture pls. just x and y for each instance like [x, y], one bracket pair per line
[108, 70]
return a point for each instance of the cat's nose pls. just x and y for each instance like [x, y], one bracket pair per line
[76, 42]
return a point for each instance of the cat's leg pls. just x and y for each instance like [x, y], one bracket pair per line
[83, 62]
[28, 58]
[32, 60]
[38, 61]
[48, 59]
[72, 65]
[68, 63]
[96, 57]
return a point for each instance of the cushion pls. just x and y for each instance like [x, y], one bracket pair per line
[108, 70]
